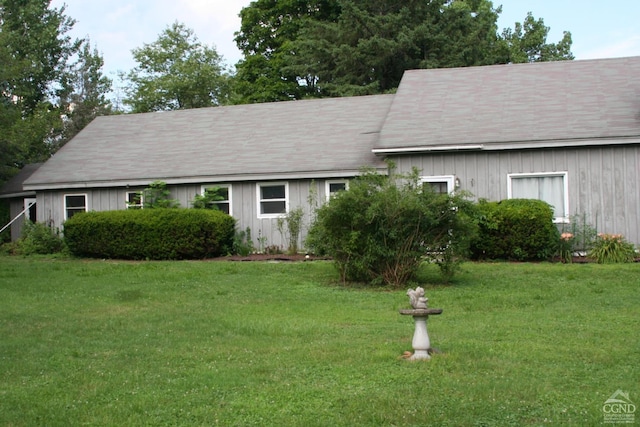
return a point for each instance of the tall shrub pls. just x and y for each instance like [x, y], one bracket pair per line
[515, 229]
[383, 227]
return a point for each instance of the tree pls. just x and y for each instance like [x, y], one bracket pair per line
[368, 49]
[89, 89]
[266, 31]
[527, 42]
[298, 49]
[176, 72]
[34, 53]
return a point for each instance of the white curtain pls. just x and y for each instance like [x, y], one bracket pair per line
[547, 188]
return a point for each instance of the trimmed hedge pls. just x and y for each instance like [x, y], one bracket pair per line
[515, 229]
[158, 234]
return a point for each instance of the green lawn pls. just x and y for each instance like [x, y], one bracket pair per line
[281, 344]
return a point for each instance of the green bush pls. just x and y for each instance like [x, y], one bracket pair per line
[38, 238]
[150, 234]
[290, 227]
[156, 195]
[242, 243]
[382, 228]
[612, 248]
[515, 229]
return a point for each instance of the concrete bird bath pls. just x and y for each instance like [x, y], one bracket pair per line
[420, 312]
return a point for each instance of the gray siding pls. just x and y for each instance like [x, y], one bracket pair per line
[15, 207]
[243, 197]
[604, 182]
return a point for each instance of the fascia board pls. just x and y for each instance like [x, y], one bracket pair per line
[198, 180]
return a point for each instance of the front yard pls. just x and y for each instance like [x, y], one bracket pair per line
[262, 343]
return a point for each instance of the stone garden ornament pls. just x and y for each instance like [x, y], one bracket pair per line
[420, 312]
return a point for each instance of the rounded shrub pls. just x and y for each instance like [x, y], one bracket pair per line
[157, 234]
[383, 228]
[515, 229]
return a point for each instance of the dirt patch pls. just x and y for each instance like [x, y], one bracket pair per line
[271, 257]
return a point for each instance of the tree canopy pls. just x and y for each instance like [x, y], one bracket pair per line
[527, 42]
[39, 82]
[176, 72]
[296, 49]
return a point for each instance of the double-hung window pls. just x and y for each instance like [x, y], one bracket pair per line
[135, 200]
[272, 199]
[440, 184]
[335, 186]
[550, 187]
[74, 203]
[222, 193]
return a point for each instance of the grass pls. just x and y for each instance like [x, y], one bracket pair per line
[241, 344]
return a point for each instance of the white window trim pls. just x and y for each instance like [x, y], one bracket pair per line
[227, 186]
[449, 179]
[259, 200]
[327, 186]
[565, 185]
[86, 202]
[126, 198]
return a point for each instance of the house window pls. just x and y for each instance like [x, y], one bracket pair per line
[73, 204]
[549, 187]
[272, 200]
[135, 200]
[442, 184]
[333, 187]
[30, 209]
[223, 196]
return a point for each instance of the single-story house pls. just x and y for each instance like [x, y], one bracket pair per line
[565, 132]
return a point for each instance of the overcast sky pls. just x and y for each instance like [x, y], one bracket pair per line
[599, 29]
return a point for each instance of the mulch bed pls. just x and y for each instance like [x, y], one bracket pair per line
[271, 257]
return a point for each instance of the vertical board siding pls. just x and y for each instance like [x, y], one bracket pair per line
[604, 185]
[603, 181]
[243, 206]
[15, 207]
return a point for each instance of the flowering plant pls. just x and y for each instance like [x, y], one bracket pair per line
[612, 248]
[566, 247]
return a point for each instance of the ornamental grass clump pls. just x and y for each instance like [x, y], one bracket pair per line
[612, 248]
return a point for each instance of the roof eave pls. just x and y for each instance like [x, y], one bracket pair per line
[346, 173]
[511, 145]
[19, 194]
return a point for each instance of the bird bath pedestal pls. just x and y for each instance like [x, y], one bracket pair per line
[420, 312]
[421, 344]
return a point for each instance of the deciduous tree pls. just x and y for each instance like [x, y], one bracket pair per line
[176, 72]
[34, 53]
[527, 42]
[89, 88]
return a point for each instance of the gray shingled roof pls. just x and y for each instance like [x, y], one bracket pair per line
[512, 106]
[312, 138]
[13, 187]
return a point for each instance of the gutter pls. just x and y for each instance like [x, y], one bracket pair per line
[511, 145]
[210, 179]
